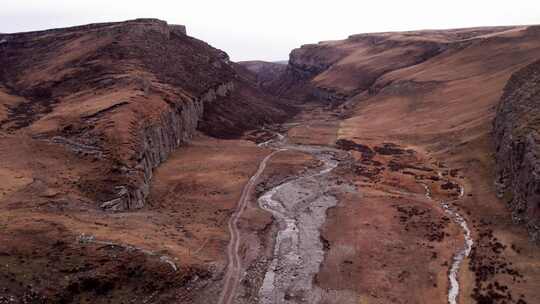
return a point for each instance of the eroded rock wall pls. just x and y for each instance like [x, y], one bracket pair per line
[517, 139]
[157, 139]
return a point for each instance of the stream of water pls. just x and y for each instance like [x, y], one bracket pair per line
[457, 261]
[299, 207]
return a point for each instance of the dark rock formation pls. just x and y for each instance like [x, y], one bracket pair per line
[349, 145]
[517, 139]
[266, 73]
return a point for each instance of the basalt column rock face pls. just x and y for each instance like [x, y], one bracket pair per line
[123, 95]
[517, 138]
[174, 127]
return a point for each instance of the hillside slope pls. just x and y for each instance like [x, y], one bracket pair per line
[142, 83]
[338, 70]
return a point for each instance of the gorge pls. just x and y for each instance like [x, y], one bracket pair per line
[142, 165]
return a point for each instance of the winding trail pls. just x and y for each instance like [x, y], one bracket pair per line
[457, 260]
[234, 266]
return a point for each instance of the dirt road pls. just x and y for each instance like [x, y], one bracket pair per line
[234, 267]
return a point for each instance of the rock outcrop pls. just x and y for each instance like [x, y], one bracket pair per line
[517, 137]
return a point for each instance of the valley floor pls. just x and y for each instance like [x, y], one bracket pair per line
[382, 239]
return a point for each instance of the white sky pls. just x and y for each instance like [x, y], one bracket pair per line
[269, 30]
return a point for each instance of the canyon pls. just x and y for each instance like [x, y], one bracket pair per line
[142, 165]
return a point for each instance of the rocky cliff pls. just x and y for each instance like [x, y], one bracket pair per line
[125, 95]
[517, 137]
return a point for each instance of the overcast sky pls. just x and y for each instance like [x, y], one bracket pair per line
[269, 30]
